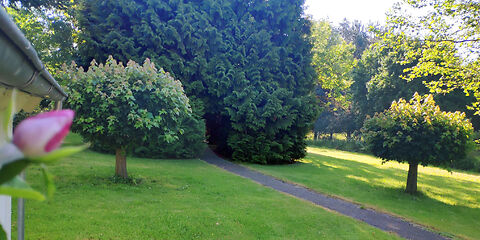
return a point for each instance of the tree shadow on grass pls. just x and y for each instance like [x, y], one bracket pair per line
[447, 203]
[450, 190]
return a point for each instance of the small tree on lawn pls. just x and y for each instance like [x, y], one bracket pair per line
[122, 106]
[417, 132]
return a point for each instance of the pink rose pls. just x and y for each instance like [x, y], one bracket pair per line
[42, 133]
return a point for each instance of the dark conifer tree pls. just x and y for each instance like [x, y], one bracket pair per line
[246, 65]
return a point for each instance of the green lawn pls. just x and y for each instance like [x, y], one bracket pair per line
[176, 199]
[449, 203]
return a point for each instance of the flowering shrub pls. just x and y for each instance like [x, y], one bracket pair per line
[417, 132]
[128, 107]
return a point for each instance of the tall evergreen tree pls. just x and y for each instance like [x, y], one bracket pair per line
[246, 65]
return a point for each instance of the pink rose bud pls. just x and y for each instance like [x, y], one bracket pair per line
[42, 133]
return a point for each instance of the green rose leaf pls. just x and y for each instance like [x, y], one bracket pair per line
[12, 169]
[17, 187]
[56, 155]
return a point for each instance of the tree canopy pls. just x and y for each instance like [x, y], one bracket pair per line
[125, 107]
[51, 33]
[48, 4]
[333, 60]
[418, 132]
[449, 34]
[380, 78]
[354, 32]
[246, 65]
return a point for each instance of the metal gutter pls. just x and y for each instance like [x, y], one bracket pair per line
[20, 66]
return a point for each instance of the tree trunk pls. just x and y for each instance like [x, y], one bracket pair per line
[412, 178]
[121, 163]
[315, 135]
[349, 136]
[331, 136]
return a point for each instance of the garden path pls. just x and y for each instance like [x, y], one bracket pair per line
[374, 218]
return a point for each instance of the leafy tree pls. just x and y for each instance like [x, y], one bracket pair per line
[449, 33]
[378, 78]
[333, 61]
[48, 4]
[458, 101]
[339, 121]
[126, 107]
[246, 65]
[357, 34]
[323, 125]
[345, 122]
[417, 132]
[50, 31]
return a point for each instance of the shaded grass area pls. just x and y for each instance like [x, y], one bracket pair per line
[449, 202]
[340, 144]
[175, 199]
[471, 162]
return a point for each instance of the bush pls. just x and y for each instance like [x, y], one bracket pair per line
[125, 108]
[417, 132]
[470, 163]
[188, 145]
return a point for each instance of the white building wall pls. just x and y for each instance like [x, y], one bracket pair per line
[5, 201]
[5, 214]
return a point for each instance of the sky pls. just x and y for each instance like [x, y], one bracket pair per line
[336, 10]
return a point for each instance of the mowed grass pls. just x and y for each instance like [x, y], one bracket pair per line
[175, 199]
[449, 202]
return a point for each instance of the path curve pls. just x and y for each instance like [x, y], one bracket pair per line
[379, 220]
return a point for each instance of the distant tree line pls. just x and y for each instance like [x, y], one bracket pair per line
[377, 76]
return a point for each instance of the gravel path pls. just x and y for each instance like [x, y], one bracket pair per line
[377, 219]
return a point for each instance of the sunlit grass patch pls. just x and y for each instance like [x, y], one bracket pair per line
[448, 202]
[460, 191]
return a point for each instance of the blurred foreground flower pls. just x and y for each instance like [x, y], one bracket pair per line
[40, 134]
[36, 141]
